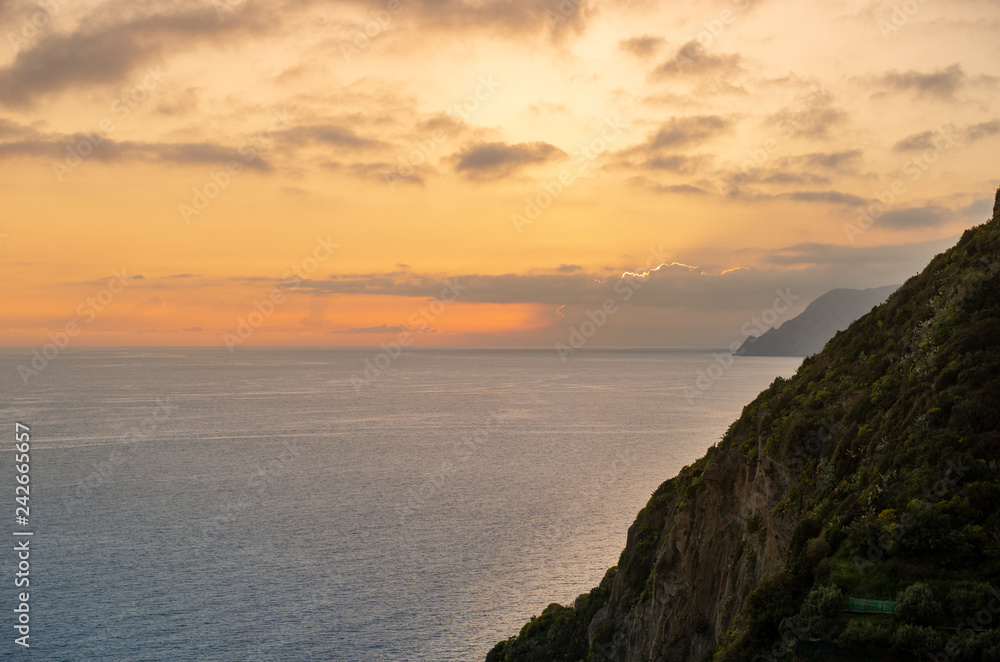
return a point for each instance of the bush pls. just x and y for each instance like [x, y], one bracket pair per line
[862, 636]
[822, 601]
[916, 639]
[966, 599]
[917, 604]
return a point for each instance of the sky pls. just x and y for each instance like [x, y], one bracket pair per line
[480, 173]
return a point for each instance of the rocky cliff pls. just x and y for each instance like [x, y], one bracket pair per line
[872, 473]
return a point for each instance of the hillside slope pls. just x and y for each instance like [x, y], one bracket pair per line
[807, 333]
[872, 473]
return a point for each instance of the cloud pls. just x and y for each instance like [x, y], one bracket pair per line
[153, 303]
[643, 46]
[977, 132]
[853, 257]
[496, 160]
[382, 171]
[54, 146]
[795, 178]
[979, 210]
[672, 286]
[692, 59]
[678, 189]
[919, 141]
[681, 131]
[970, 134]
[381, 328]
[108, 50]
[928, 216]
[326, 135]
[846, 161]
[835, 197]
[942, 83]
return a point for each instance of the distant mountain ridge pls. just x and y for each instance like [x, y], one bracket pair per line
[807, 333]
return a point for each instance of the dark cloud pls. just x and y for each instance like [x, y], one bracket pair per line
[682, 131]
[107, 50]
[846, 161]
[820, 267]
[854, 257]
[795, 178]
[942, 83]
[919, 141]
[105, 150]
[977, 132]
[682, 189]
[381, 328]
[978, 210]
[693, 59]
[643, 46]
[677, 189]
[497, 160]
[928, 216]
[835, 197]
[325, 135]
[943, 137]
[555, 18]
[386, 173]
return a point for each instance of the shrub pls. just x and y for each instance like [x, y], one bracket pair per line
[916, 639]
[965, 600]
[822, 601]
[861, 636]
[917, 604]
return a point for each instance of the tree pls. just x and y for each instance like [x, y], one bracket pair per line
[917, 604]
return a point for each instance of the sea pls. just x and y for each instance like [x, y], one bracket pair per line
[334, 504]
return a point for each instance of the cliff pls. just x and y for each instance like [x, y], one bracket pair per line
[807, 333]
[870, 474]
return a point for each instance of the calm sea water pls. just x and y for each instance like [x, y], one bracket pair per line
[189, 504]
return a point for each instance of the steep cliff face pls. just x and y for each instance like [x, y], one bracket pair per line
[701, 566]
[873, 471]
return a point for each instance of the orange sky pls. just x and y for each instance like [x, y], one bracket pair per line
[530, 152]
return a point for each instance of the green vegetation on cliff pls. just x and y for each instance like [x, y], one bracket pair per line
[872, 473]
